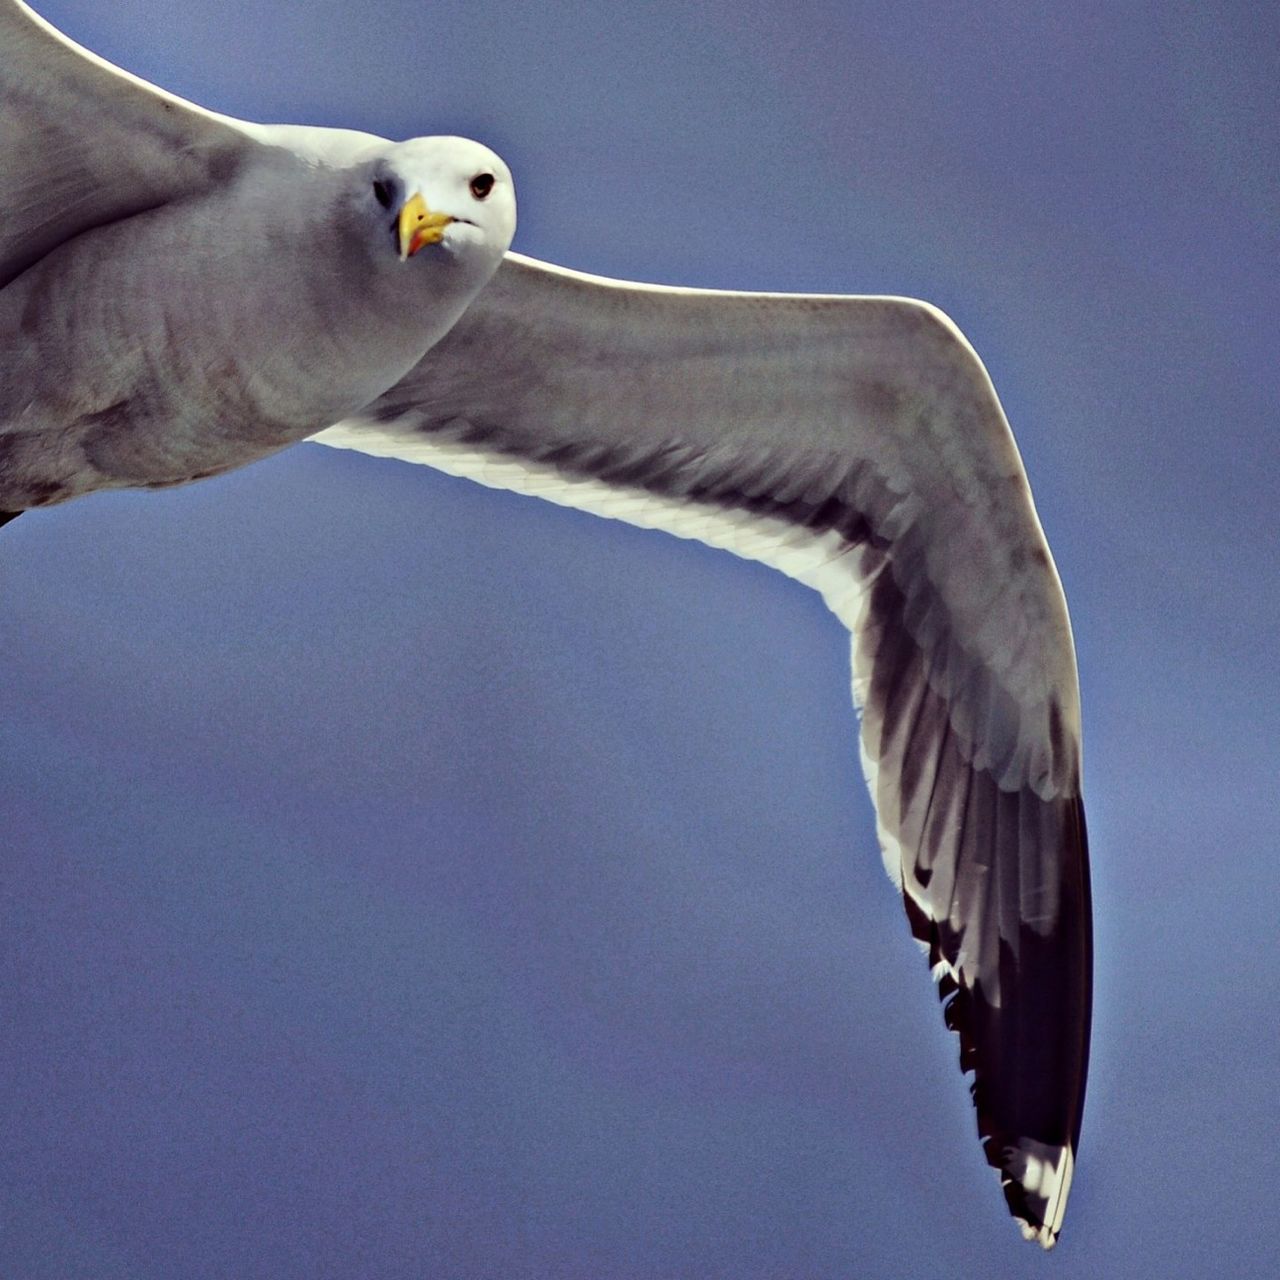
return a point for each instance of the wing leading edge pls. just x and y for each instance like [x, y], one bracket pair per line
[83, 144]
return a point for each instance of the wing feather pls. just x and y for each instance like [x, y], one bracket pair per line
[857, 445]
[83, 143]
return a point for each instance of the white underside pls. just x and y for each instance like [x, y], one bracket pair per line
[823, 562]
[820, 561]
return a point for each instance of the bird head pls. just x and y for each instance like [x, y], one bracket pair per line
[445, 200]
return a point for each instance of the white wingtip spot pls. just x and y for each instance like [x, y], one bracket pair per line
[1045, 1173]
[1041, 1235]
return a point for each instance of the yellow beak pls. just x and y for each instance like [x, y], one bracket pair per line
[419, 226]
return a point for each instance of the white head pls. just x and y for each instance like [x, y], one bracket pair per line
[443, 201]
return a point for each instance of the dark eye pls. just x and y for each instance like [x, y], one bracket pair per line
[481, 185]
[382, 193]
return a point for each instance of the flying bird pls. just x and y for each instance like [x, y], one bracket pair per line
[182, 293]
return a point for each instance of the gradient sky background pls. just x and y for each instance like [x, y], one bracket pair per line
[406, 879]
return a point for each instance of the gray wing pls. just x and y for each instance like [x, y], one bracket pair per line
[857, 445]
[83, 143]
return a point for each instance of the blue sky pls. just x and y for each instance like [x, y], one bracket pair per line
[408, 879]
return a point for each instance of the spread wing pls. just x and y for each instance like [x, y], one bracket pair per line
[857, 445]
[83, 143]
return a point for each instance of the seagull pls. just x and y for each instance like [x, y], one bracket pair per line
[183, 293]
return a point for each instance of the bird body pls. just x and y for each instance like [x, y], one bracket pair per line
[182, 293]
[200, 335]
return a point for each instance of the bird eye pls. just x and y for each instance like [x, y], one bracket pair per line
[382, 193]
[481, 185]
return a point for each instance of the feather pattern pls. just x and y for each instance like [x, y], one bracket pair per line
[856, 445]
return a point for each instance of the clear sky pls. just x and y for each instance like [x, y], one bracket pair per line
[406, 879]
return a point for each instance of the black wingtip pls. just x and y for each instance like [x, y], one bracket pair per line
[1026, 1039]
[1053, 975]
